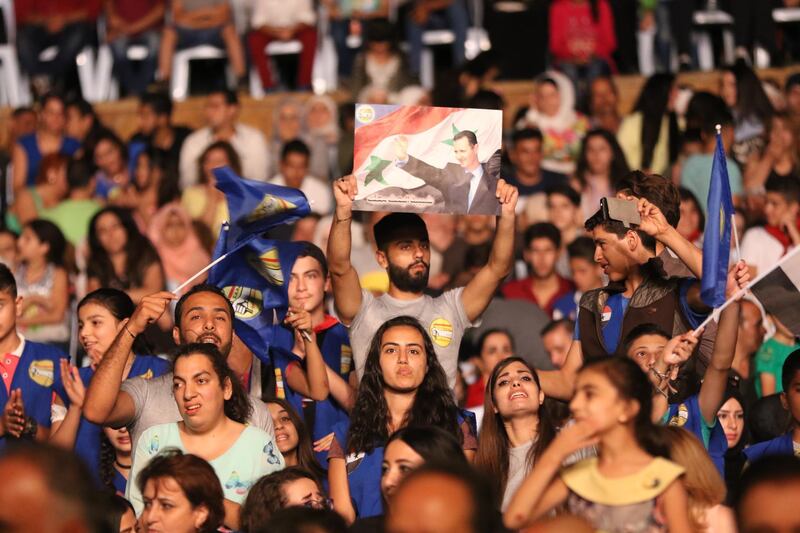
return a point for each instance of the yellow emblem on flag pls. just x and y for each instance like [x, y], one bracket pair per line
[279, 392]
[268, 265]
[268, 206]
[42, 372]
[346, 359]
[246, 302]
[722, 219]
[681, 417]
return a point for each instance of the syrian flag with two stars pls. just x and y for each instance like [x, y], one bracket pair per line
[430, 132]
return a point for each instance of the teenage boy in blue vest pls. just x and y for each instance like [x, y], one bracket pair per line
[307, 286]
[31, 372]
[638, 292]
[789, 443]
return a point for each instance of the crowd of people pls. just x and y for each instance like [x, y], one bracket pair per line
[543, 368]
[378, 47]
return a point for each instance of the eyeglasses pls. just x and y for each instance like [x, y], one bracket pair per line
[324, 503]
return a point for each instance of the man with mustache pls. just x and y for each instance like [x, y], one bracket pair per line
[203, 314]
[404, 251]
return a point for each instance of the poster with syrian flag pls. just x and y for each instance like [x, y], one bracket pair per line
[779, 290]
[427, 159]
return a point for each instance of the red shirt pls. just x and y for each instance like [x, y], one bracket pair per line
[573, 28]
[134, 10]
[522, 289]
[25, 10]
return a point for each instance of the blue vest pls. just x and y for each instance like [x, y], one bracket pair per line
[687, 415]
[782, 445]
[334, 344]
[38, 375]
[120, 483]
[87, 442]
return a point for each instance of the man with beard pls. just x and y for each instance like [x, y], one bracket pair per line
[404, 251]
[203, 314]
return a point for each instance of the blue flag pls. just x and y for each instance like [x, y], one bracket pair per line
[254, 207]
[717, 235]
[255, 278]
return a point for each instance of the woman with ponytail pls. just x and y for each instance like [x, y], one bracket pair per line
[516, 429]
[630, 485]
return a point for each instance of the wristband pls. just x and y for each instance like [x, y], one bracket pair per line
[129, 331]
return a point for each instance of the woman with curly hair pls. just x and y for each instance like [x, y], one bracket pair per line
[291, 487]
[214, 407]
[516, 429]
[403, 385]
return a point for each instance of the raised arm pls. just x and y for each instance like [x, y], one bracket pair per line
[64, 432]
[655, 224]
[479, 292]
[340, 490]
[542, 489]
[313, 381]
[560, 383]
[344, 278]
[712, 391]
[105, 403]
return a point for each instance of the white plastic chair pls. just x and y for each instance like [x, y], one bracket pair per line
[179, 85]
[703, 20]
[10, 74]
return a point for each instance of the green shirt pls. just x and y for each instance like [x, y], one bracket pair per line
[769, 360]
[72, 218]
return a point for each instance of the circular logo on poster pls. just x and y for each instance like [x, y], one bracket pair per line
[365, 114]
[441, 332]
[246, 302]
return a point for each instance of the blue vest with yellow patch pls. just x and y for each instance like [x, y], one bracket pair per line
[38, 375]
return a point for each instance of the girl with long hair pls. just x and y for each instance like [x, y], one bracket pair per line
[778, 158]
[121, 257]
[705, 488]
[732, 416]
[744, 95]
[516, 429]
[630, 484]
[292, 437]
[115, 459]
[403, 385]
[649, 136]
[113, 175]
[101, 316]
[601, 164]
[49, 190]
[43, 283]
[182, 494]
[214, 407]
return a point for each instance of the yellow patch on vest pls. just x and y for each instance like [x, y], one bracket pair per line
[42, 372]
[681, 418]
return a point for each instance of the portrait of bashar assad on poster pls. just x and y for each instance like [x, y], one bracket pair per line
[427, 159]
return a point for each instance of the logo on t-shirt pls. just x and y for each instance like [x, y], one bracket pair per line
[441, 332]
[147, 375]
[41, 372]
[606, 316]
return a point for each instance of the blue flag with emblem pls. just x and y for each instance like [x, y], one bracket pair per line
[717, 235]
[254, 207]
[255, 278]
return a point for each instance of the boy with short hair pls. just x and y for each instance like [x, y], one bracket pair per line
[586, 275]
[763, 246]
[31, 372]
[307, 286]
[789, 443]
[556, 338]
[770, 357]
[660, 356]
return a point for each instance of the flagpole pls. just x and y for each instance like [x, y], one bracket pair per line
[198, 274]
[736, 237]
[741, 292]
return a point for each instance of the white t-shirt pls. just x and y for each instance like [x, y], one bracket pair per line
[760, 249]
[317, 192]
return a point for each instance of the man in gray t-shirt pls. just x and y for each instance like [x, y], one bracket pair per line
[203, 314]
[404, 251]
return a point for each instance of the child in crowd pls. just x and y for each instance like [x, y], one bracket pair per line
[587, 275]
[290, 487]
[293, 439]
[770, 358]
[630, 483]
[43, 284]
[556, 338]
[763, 246]
[789, 443]
[493, 346]
[31, 372]
[297, 378]
[115, 460]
